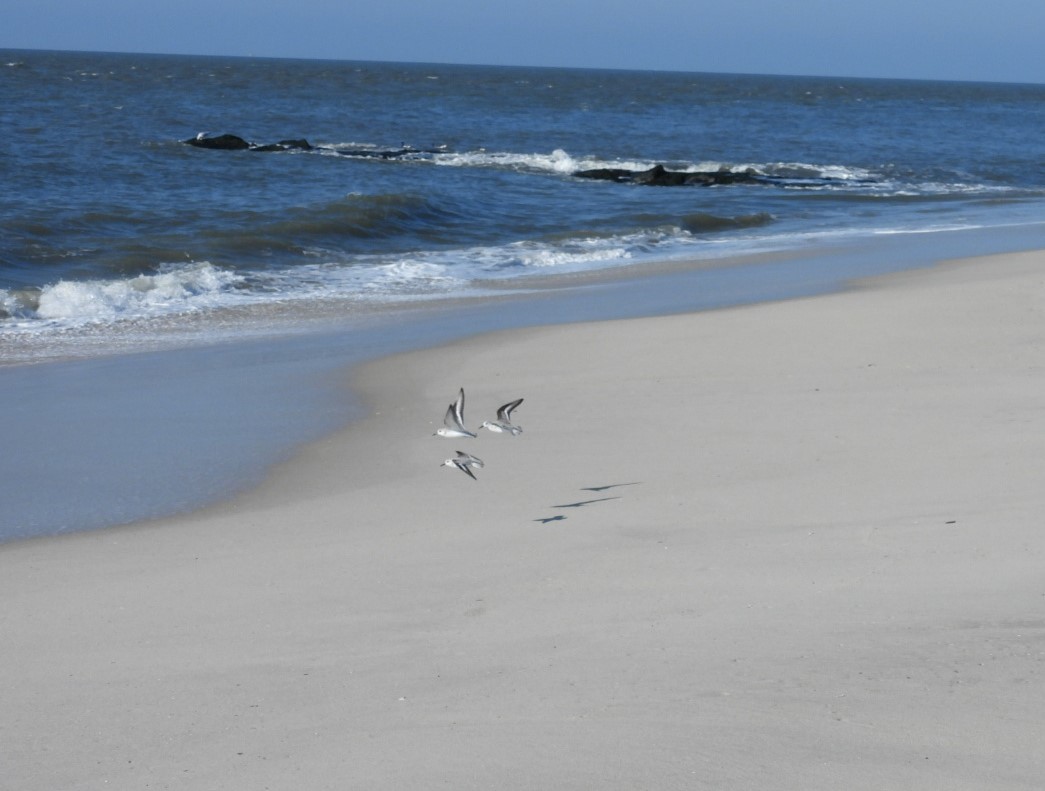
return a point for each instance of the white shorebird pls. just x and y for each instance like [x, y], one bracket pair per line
[503, 424]
[453, 422]
[464, 462]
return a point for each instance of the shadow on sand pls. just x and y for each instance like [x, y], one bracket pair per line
[581, 503]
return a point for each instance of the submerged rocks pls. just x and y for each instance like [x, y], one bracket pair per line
[660, 176]
[236, 143]
[229, 142]
[656, 176]
[286, 145]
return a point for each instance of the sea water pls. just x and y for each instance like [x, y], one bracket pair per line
[406, 185]
[424, 181]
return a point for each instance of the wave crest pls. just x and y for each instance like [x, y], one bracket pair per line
[174, 289]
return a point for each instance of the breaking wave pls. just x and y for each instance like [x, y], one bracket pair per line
[202, 286]
[173, 289]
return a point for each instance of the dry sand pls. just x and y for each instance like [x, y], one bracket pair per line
[788, 546]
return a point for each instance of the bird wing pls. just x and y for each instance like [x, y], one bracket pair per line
[504, 414]
[455, 413]
[458, 408]
[450, 419]
[469, 459]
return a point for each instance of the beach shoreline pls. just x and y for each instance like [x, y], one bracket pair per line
[117, 438]
[792, 544]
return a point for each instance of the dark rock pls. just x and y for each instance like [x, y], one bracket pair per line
[285, 145]
[236, 143]
[406, 152]
[606, 174]
[220, 142]
[660, 176]
[302, 144]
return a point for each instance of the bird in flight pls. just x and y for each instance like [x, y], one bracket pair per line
[464, 462]
[503, 424]
[453, 421]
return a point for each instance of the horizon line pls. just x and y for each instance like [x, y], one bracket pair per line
[462, 64]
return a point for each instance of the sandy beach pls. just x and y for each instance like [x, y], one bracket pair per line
[788, 546]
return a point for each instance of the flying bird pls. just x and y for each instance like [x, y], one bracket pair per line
[464, 462]
[503, 424]
[453, 421]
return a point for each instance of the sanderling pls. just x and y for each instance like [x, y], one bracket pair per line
[503, 424]
[454, 420]
[464, 462]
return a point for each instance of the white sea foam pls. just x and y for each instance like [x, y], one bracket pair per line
[410, 277]
[10, 304]
[788, 174]
[189, 299]
[808, 170]
[200, 287]
[557, 161]
[577, 254]
[175, 289]
[560, 162]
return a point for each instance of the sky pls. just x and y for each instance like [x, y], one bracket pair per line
[996, 41]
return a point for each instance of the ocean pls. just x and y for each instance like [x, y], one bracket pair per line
[171, 205]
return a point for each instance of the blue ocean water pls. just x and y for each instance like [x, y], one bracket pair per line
[427, 181]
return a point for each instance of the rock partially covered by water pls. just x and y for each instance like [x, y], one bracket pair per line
[286, 145]
[229, 142]
[660, 176]
[236, 143]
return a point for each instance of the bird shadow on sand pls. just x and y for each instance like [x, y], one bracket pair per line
[582, 503]
[607, 486]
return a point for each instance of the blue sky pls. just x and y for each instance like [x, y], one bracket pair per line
[931, 39]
